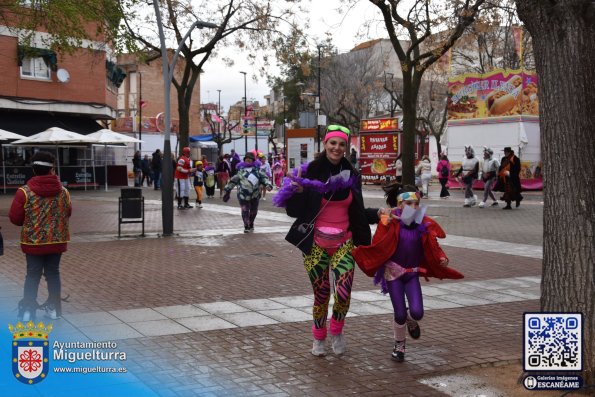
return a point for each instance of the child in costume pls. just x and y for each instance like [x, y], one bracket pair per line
[278, 174]
[198, 183]
[210, 181]
[403, 247]
[248, 179]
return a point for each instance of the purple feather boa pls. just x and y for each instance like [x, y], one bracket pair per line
[333, 184]
[243, 164]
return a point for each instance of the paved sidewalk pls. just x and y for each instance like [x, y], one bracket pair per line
[214, 311]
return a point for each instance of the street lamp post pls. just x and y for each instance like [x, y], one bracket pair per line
[255, 130]
[284, 136]
[245, 115]
[317, 105]
[167, 198]
[219, 112]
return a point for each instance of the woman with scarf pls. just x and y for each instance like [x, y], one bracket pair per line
[403, 248]
[326, 198]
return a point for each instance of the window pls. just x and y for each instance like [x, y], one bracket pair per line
[36, 63]
[35, 68]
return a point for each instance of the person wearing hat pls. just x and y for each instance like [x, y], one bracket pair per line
[325, 197]
[199, 178]
[508, 178]
[182, 178]
[248, 179]
[489, 170]
[42, 207]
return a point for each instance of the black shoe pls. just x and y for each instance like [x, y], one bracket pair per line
[413, 328]
[399, 352]
[508, 207]
[180, 207]
[188, 206]
[246, 230]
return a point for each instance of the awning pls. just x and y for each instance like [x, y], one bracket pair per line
[203, 141]
[207, 144]
[200, 138]
[28, 123]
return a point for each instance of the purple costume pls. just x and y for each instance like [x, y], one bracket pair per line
[409, 254]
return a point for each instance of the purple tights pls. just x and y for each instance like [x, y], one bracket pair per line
[407, 285]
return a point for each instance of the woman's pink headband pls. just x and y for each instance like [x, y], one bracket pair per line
[335, 134]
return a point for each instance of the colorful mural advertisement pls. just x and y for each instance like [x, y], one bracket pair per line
[496, 96]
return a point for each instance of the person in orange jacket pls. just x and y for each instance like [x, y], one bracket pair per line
[404, 247]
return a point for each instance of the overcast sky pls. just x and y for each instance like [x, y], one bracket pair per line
[323, 17]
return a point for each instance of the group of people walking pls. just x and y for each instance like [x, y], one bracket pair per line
[148, 169]
[496, 175]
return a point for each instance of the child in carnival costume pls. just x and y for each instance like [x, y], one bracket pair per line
[404, 247]
[278, 174]
[198, 183]
[248, 179]
[210, 180]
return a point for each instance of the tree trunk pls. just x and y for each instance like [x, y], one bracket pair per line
[184, 119]
[410, 92]
[563, 35]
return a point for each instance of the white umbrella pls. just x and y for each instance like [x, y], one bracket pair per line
[6, 136]
[109, 137]
[54, 136]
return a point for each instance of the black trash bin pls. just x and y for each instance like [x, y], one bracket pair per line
[131, 208]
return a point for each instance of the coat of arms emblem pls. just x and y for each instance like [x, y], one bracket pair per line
[30, 351]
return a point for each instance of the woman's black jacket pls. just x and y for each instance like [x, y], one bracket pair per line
[305, 206]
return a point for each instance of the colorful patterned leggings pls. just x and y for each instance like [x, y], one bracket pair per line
[317, 266]
[249, 211]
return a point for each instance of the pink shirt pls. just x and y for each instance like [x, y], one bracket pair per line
[335, 214]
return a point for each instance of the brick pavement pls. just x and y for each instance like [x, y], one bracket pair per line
[106, 274]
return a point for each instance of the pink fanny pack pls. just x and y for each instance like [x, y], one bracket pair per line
[329, 237]
[394, 271]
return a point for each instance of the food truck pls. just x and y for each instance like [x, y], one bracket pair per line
[379, 145]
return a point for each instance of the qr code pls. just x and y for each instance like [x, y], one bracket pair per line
[553, 341]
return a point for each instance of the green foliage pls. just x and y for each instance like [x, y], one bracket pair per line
[68, 22]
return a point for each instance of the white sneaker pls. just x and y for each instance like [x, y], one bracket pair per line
[200, 206]
[50, 312]
[339, 345]
[26, 316]
[318, 348]
[482, 204]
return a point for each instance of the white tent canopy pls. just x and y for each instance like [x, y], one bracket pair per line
[55, 136]
[109, 137]
[6, 136]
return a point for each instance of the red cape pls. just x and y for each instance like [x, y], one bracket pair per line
[369, 258]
